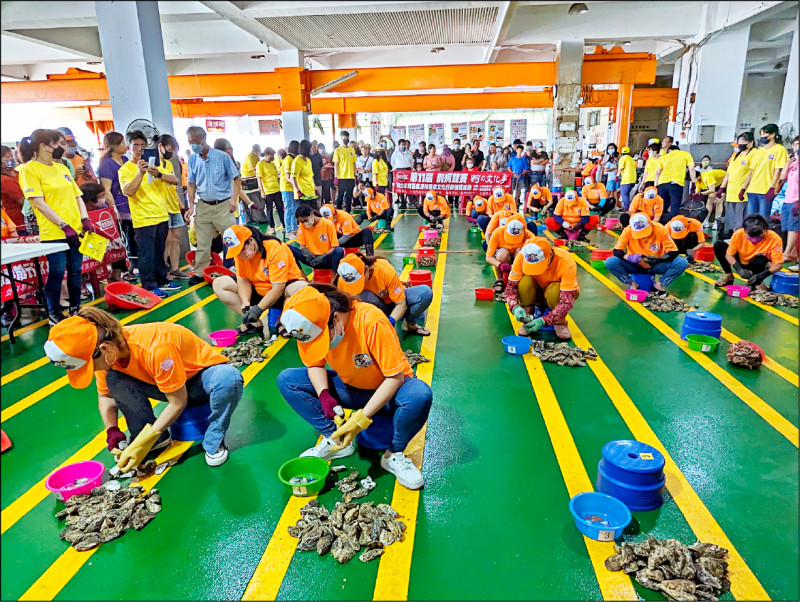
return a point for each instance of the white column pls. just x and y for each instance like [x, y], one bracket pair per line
[566, 109]
[295, 123]
[789, 105]
[133, 55]
[717, 82]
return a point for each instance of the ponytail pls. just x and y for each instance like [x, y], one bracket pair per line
[29, 146]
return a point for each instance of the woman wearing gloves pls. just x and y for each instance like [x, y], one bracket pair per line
[374, 280]
[476, 208]
[435, 208]
[319, 242]
[351, 236]
[540, 201]
[765, 164]
[266, 274]
[542, 277]
[60, 213]
[647, 202]
[599, 198]
[135, 363]
[571, 217]
[500, 200]
[754, 252]
[687, 234]
[645, 247]
[377, 208]
[505, 243]
[368, 373]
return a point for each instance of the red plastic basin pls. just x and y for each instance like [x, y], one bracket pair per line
[215, 258]
[215, 269]
[323, 276]
[704, 254]
[115, 289]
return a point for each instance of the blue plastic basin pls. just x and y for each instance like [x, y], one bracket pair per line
[516, 345]
[788, 284]
[599, 516]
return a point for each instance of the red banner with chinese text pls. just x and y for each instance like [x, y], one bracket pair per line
[453, 183]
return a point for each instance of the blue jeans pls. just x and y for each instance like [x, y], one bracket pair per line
[672, 194]
[289, 206]
[538, 177]
[409, 408]
[757, 203]
[669, 270]
[68, 261]
[418, 299]
[220, 386]
[483, 221]
[625, 195]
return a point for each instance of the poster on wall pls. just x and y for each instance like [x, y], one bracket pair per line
[460, 131]
[519, 129]
[269, 127]
[436, 134]
[215, 125]
[416, 133]
[374, 129]
[477, 131]
[397, 132]
[497, 130]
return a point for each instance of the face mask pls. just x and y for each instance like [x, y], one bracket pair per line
[742, 147]
[167, 155]
[58, 153]
[611, 151]
[456, 146]
[754, 239]
[763, 140]
[403, 147]
[10, 164]
[197, 148]
[704, 163]
[336, 338]
[470, 164]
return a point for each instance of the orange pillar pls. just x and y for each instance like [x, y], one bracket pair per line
[347, 120]
[624, 113]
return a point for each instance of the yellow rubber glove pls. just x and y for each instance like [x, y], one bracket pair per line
[133, 455]
[348, 431]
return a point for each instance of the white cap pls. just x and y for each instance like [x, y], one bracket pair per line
[348, 273]
[588, 180]
[326, 212]
[61, 359]
[503, 221]
[515, 227]
[533, 253]
[650, 194]
[677, 226]
[299, 327]
[570, 195]
[479, 202]
[498, 192]
[639, 222]
[429, 196]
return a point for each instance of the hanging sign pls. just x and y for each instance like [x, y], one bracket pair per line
[215, 125]
[519, 129]
[460, 131]
[497, 130]
[397, 132]
[453, 183]
[436, 134]
[416, 133]
[269, 127]
[374, 129]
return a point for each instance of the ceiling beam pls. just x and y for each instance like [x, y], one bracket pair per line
[331, 7]
[230, 12]
[505, 13]
[40, 39]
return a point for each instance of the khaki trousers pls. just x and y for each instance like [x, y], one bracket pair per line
[209, 220]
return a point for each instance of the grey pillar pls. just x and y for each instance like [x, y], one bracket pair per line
[566, 108]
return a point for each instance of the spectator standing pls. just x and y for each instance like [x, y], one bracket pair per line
[302, 176]
[419, 156]
[518, 166]
[402, 158]
[494, 156]
[364, 165]
[316, 167]
[344, 161]
[287, 189]
[539, 160]
[167, 147]
[627, 175]
[735, 177]
[458, 153]
[214, 182]
[10, 191]
[82, 168]
[671, 176]
[267, 172]
[328, 192]
[114, 158]
[789, 216]
[765, 164]
[380, 171]
[250, 185]
[432, 161]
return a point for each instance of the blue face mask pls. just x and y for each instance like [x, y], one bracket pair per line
[336, 338]
[403, 147]
[197, 148]
[763, 140]
[71, 150]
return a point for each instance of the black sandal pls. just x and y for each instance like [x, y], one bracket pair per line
[282, 332]
[499, 286]
[249, 329]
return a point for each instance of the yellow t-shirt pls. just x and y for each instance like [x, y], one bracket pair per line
[627, 170]
[59, 190]
[344, 158]
[268, 174]
[650, 167]
[738, 168]
[249, 166]
[711, 177]
[149, 205]
[673, 166]
[285, 170]
[302, 172]
[380, 173]
[764, 161]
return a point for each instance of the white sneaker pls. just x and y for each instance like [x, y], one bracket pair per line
[219, 457]
[404, 470]
[323, 450]
[792, 268]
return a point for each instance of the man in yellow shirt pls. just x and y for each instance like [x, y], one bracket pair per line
[671, 176]
[147, 188]
[735, 177]
[344, 162]
[627, 173]
[267, 174]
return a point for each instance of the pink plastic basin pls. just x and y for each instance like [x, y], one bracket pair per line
[635, 295]
[429, 234]
[59, 481]
[223, 338]
[611, 222]
[737, 290]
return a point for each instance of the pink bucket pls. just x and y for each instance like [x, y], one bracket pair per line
[429, 234]
[59, 481]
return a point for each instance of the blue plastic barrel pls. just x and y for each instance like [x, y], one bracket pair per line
[632, 472]
[645, 281]
[788, 284]
[191, 425]
[701, 322]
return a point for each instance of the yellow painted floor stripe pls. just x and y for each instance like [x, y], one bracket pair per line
[744, 584]
[67, 565]
[613, 585]
[57, 384]
[12, 376]
[758, 405]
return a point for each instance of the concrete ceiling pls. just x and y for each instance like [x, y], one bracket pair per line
[225, 37]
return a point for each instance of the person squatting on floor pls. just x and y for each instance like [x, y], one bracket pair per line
[319, 243]
[434, 208]
[571, 217]
[136, 363]
[351, 236]
[755, 252]
[377, 208]
[368, 373]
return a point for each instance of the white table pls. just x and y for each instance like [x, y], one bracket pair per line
[16, 252]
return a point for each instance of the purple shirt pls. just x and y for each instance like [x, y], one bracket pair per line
[108, 169]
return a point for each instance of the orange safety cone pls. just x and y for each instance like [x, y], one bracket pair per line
[6, 442]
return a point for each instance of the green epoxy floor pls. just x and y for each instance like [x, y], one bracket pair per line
[492, 521]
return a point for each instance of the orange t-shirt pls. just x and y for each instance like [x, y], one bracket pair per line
[587, 169]
[594, 193]
[691, 224]
[279, 266]
[345, 223]
[572, 213]
[318, 239]
[9, 229]
[658, 243]
[562, 269]
[385, 283]
[771, 246]
[471, 205]
[504, 202]
[370, 351]
[88, 175]
[652, 208]
[439, 203]
[163, 354]
[543, 199]
[377, 204]
[499, 240]
[494, 223]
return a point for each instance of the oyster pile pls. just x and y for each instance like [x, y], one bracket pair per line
[577, 244]
[426, 261]
[562, 354]
[134, 298]
[770, 298]
[745, 354]
[701, 267]
[246, 352]
[103, 515]
[618, 227]
[415, 358]
[345, 530]
[432, 242]
[379, 231]
[695, 572]
[352, 489]
[664, 304]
